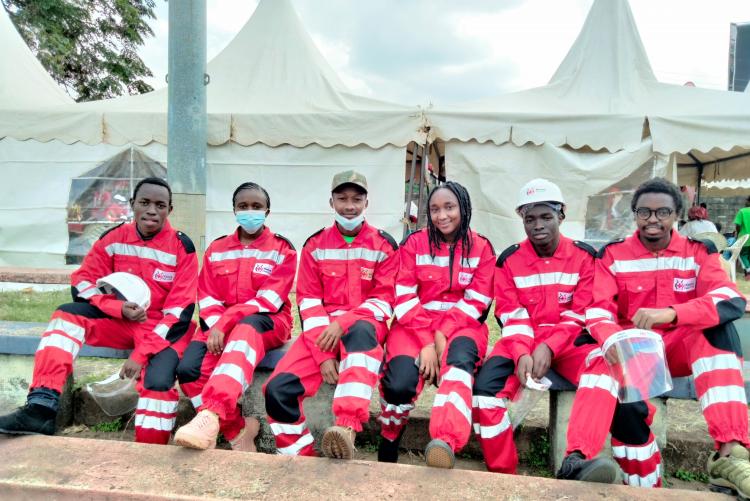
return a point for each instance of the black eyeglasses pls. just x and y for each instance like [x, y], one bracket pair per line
[662, 213]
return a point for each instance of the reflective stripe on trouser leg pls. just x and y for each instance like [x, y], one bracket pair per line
[450, 418]
[634, 446]
[494, 384]
[193, 372]
[293, 439]
[155, 416]
[296, 377]
[587, 430]
[640, 464]
[400, 382]
[233, 373]
[361, 353]
[719, 382]
[58, 348]
[495, 434]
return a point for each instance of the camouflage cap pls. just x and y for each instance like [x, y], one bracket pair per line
[349, 177]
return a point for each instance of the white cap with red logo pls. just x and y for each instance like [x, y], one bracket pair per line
[539, 191]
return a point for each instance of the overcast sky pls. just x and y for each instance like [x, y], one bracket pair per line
[417, 51]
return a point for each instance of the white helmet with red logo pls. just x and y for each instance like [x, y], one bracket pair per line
[539, 191]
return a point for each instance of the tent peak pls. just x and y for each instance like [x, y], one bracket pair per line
[608, 48]
[24, 83]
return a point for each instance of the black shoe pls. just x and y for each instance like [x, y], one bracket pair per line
[31, 419]
[388, 451]
[600, 470]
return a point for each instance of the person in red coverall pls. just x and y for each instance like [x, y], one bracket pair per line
[658, 280]
[443, 293]
[345, 297]
[243, 294]
[165, 259]
[542, 288]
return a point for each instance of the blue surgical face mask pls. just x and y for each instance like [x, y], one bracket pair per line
[349, 224]
[250, 220]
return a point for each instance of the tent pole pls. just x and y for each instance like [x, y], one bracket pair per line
[186, 118]
[422, 171]
[701, 166]
[410, 196]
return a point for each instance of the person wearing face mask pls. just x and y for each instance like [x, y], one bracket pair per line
[345, 297]
[243, 295]
[443, 295]
[165, 260]
[542, 289]
[660, 281]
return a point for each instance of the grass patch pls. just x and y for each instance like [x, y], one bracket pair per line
[109, 427]
[691, 476]
[29, 306]
[368, 443]
[537, 456]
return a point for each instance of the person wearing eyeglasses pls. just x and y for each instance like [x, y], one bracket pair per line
[658, 280]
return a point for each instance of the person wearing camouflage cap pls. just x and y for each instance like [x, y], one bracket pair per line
[345, 293]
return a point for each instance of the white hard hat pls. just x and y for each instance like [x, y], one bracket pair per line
[128, 286]
[539, 190]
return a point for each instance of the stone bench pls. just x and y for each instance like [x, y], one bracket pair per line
[18, 343]
[562, 393]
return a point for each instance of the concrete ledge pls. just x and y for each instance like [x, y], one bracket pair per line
[74, 469]
[35, 275]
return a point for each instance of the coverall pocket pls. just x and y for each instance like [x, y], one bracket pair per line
[226, 280]
[335, 284]
[640, 294]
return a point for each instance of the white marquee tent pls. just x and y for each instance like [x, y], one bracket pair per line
[602, 116]
[277, 115]
[24, 82]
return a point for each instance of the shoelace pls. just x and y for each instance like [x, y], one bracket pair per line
[204, 421]
[734, 469]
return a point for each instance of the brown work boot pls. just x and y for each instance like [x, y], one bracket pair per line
[338, 442]
[200, 432]
[730, 474]
[439, 454]
[245, 439]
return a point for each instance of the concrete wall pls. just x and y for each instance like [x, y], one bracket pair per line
[723, 210]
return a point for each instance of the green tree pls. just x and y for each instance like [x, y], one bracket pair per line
[88, 46]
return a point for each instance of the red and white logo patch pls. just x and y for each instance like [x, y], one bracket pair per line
[366, 273]
[684, 284]
[263, 268]
[465, 278]
[163, 276]
[564, 297]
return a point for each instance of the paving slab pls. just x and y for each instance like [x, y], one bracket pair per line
[72, 469]
[36, 275]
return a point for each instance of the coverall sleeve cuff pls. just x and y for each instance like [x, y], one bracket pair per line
[138, 357]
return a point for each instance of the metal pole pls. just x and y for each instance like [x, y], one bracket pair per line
[187, 121]
[423, 169]
[700, 177]
[410, 196]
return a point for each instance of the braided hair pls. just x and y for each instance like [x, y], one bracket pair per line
[251, 186]
[463, 233]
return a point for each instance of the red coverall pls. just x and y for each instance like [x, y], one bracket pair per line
[352, 284]
[168, 264]
[538, 300]
[449, 293]
[687, 277]
[243, 290]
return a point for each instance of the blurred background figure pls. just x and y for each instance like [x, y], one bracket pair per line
[697, 222]
[742, 227]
